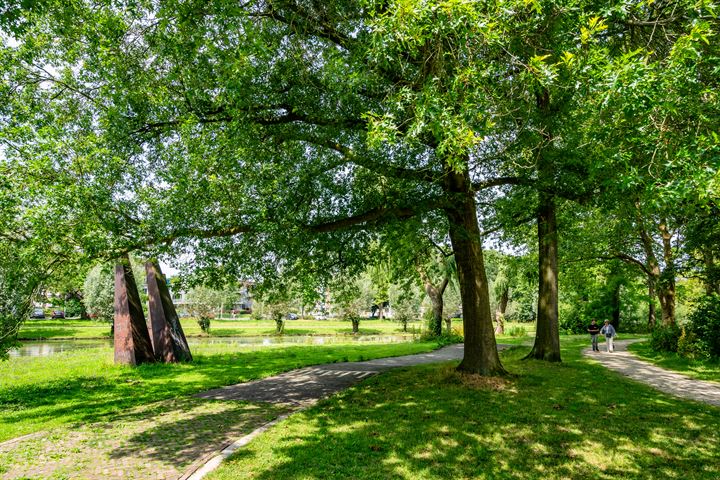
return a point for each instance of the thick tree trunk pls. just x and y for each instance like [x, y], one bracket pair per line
[435, 294]
[666, 295]
[712, 283]
[651, 303]
[355, 325]
[547, 333]
[480, 354]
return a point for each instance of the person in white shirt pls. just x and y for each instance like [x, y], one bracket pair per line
[609, 331]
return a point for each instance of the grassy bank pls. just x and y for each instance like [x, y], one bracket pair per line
[699, 369]
[569, 420]
[85, 386]
[245, 326]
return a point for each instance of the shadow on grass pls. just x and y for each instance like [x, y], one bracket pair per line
[83, 397]
[573, 420]
[199, 430]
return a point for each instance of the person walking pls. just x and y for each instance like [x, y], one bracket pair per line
[594, 331]
[609, 331]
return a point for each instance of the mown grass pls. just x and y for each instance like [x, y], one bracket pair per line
[39, 393]
[244, 326]
[699, 369]
[570, 420]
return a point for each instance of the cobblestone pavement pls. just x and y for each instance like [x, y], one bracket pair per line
[161, 440]
[666, 381]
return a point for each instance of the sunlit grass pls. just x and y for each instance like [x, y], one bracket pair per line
[569, 420]
[243, 326]
[699, 369]
[38, 393]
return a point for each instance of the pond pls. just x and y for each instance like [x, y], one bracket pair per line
[50, 347]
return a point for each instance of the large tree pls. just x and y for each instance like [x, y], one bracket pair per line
[302, 131]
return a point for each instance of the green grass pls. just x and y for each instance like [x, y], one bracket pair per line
[245, 326]
[82, 386]
[699, 369]
[569, 420]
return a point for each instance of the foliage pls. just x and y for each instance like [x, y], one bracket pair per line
[406, 308]
[704, 327]
[18, 284]
[690, 346]
[517, 331]
[204, 302]
[99, 293]
[74, 307]
[352, 298]
[664, 338]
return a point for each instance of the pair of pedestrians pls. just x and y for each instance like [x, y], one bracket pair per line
[608, 330]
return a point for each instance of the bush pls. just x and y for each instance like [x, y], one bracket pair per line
[574, 324]
[517, 332]
[204, 323]
[705, 325]
[690, 346]
[665, 338]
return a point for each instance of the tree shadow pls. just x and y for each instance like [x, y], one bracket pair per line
[201, 428]
[573, 420]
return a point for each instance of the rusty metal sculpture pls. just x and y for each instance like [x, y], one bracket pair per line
[167, 335]
[132, 340]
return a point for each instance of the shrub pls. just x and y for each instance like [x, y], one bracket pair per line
[690, 346]
[204, 323]
[517, 332]
[574, 324]
[705, 324]
[665, 338]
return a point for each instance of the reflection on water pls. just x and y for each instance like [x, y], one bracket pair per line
[49, 347]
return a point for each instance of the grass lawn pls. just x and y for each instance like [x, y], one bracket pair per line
[569, 420]
[84, 386]
[700, 369]
[245, 326]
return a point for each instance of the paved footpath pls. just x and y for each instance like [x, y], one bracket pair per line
[177, 438]
[305, 386]
[666, 381]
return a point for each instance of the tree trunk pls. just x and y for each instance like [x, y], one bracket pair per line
[666, 286]
[712, 284]
[500, 311]
[547, 333]
[355, 325]
[480, 355]
[666, 295]
[651, 303]
[615, 304]
[448, 326]
[435, 295]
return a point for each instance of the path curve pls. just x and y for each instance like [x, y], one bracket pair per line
[676, 384]
[303, 387]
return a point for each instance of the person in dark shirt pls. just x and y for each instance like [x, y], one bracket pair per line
[594, 331]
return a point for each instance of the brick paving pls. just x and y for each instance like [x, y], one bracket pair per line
[666, 381]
